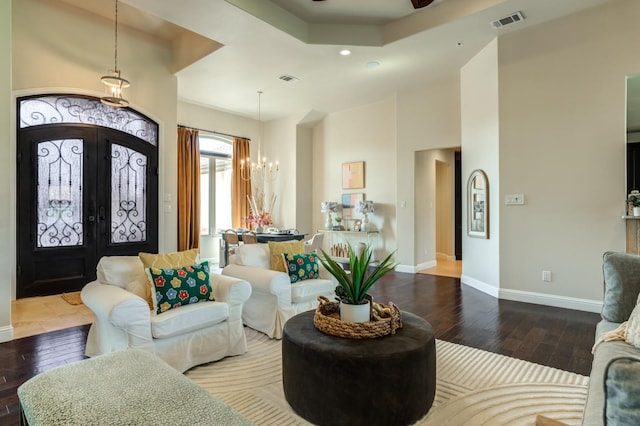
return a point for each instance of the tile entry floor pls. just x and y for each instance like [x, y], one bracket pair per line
[37, 315]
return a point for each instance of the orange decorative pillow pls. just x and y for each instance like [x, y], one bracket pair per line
[277, 248]
[166, 261]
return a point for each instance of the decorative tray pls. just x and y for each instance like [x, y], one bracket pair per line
[386, 320]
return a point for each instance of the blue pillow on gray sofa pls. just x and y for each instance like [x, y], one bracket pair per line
[622, 390]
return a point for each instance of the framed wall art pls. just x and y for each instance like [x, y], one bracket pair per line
[478, 205]
[353, 175]
[349, 202]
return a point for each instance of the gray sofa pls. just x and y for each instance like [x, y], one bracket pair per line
[614, 387]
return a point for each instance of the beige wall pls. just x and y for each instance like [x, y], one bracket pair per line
[71, 55]
[364, 134]
[562, 144]
[7, 155]
[304, 179]
[426, 118]
[201, 117]
[480, 150]
[280, 143]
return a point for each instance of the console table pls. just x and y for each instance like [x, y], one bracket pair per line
[334, 237]
[633, 234]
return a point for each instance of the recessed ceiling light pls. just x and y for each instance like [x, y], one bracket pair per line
[345, 52]
[372, 65]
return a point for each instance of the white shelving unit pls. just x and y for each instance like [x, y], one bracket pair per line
[371, 238]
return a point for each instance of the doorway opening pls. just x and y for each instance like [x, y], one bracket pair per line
[439, 212]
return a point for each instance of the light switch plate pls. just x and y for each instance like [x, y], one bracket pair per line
[514, 199]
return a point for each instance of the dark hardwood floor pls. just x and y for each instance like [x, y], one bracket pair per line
[555, 337]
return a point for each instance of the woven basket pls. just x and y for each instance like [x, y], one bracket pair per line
[327, 319]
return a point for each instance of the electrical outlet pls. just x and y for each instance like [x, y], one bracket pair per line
[546, 276]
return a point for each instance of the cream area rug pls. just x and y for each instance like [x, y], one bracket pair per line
[474, 387]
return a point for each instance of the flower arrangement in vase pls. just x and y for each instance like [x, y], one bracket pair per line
[259, 217]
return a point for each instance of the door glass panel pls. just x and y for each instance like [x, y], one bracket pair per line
[48, 109]
[128, 189]
[59, 193]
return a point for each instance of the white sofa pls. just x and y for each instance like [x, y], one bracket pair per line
[273, 298]
[183, 337]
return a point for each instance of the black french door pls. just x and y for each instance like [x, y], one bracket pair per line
[83, 192]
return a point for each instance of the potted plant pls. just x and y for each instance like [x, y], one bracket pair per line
[634, 200]
[353, 284]
[338, 220]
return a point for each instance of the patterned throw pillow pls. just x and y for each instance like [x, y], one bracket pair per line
[173, 288]
[166, 260]
[301, 266]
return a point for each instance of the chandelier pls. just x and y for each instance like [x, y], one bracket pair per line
[260, 170]
[114, 83]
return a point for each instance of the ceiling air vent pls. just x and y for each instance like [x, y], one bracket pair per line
[288, 78]
[507, 20]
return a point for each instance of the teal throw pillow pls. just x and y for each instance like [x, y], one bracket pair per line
[301, 266]
[180, 286]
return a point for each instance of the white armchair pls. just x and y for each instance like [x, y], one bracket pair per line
[184, 337]
[274, 299]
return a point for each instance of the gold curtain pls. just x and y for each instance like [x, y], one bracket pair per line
[240, 188]
[188, 189]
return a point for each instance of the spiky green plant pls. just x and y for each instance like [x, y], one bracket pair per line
[354, 284]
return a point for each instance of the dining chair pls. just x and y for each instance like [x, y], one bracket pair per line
[249, 237]
[231, 240]
[314, 244]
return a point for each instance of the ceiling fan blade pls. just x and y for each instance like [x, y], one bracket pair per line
[417, 4]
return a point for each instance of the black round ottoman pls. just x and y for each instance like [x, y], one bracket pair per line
[332, 380]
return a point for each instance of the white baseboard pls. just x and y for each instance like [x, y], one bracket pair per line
[574, 303]
[445, 256]
[534, 298]
[479, 285]
[426, 265]
[552, 300]
[6, 333]
[409, 269]
[406, 268]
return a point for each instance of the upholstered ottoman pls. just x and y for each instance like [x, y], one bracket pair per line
[131, 387]
[332, 380]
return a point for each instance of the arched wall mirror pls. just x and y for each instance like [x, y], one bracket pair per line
[478, 205]
[633, 132]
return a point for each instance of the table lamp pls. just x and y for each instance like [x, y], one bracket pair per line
[364, 207]
[328, 207]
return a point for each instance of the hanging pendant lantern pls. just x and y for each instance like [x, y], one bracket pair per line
[114, 83]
